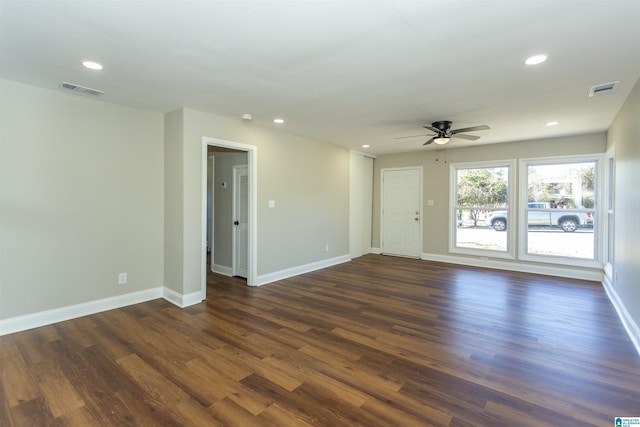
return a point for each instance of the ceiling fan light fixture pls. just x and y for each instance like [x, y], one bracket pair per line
[441, 140]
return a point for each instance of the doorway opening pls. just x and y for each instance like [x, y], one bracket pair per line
[218, 147]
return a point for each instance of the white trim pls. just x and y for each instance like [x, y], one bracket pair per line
[222, 269]
[47, 317]
[301, 269]
[203, 244]
[627, 321]
[252, 169]
[376, 251]
[608, 223]
[484, 262]
[181, 300]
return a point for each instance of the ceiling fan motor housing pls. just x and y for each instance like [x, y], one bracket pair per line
[443, 125]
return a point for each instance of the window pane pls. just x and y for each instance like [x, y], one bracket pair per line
[481, 194]
[560, 210]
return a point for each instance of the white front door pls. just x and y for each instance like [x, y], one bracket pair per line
[401, 212]
[241, 220]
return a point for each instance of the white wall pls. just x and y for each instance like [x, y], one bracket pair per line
[81, 199]
[624, 136]
[360, 203]
[436, 176]
[309, 180]
[173, 205]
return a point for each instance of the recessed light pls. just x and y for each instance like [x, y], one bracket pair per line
[278, 121]
[366, 146]
[551, 124]
[92, 65]
[247, 117]
[536, 59]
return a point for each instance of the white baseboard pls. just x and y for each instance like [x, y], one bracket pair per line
[42, 318]
[48, 317]
[547, 270]
[181, 300]
[222, 269]
[301, 269]
[627, 321]
[523, 267]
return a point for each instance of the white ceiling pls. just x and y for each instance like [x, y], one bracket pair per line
[345, 72]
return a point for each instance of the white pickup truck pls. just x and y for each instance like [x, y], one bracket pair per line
[566, 219]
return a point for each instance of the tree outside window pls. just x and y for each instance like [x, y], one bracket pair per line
[479, 190]
[482, 189]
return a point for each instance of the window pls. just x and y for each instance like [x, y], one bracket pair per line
[558, 198]
[610, 226]
[480, 208]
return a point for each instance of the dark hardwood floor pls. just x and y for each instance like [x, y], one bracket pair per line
[378, 341]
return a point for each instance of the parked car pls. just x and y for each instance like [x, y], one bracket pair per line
[567, 220]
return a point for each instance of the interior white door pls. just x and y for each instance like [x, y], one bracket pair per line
[401, 212]
[211, 185]
[241, 221]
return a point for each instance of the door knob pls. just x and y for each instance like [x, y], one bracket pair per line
[236, 222]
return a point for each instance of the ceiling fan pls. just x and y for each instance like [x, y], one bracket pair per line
[443, 132]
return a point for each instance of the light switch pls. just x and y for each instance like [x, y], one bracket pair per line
[272, 203]
[429, 202]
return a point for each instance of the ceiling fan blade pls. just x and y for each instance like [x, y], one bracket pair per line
[429, 141]
[471, 129]
[436, 130]
[463, 136]
[411, 136]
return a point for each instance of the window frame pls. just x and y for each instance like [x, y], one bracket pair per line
[609, 187]
[523, 229]
[510, 252]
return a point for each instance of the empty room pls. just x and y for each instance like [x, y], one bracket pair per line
[319, 213]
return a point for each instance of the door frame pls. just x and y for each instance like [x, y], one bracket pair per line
[252, 171]
[420, 204]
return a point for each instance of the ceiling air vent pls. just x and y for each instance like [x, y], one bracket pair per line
[81, 89]
[603, 89]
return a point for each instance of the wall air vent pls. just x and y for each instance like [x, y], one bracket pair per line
[81, 89]
[603, 89]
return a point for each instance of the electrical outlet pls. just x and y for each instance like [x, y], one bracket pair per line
[122, 279]
[326, 247]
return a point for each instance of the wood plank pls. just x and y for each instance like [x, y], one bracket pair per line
[377, 341]
[162, 394]
[60, 395]
[16, 381]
